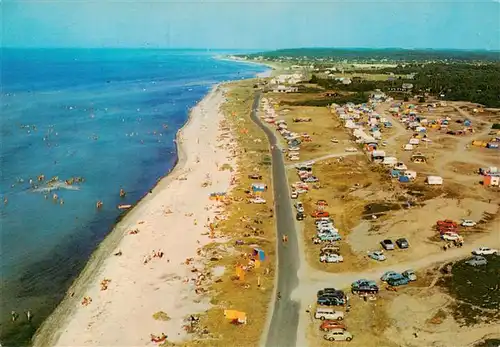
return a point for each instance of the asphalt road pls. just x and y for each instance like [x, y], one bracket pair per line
[284, 322]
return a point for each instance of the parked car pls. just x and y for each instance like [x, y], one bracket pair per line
[311, 179]
[485, 251]
[390, 274]
[294, 158]
[330, 301]
[387, 244]
[351, 149]
[330, 249]
[331, 258]
[332, 292]
[329, 237]
[319, 214]
[410, 274]
[299, 206]
[332, 324]
[293, 148]
[364, 287]
[300, 216]
[402, 243]
[327, 290]
[294, 194]
[334, 140]
[258, 201]
[255, 176]
[377, 255]
[338, 335]
[447, 222]
[468, 223]
[324, 313]
[477, 261]
[323, 220]
[400, 281]
[450, 236]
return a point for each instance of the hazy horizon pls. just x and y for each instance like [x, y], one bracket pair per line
[255, 25]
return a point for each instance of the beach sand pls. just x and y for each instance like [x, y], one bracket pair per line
[122, 315]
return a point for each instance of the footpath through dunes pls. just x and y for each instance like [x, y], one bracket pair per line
[142, 269]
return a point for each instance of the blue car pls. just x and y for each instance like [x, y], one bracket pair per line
[390, 274]
[394, 282]
[329, 237]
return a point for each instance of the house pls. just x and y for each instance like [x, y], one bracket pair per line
[407, 86]
[284, 89]
[491, 180]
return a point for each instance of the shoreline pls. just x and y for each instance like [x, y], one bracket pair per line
[269, 73]
[60, 317]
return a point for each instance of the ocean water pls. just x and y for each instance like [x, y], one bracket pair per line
[107, 116]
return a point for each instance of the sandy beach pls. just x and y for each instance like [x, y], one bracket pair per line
[172, 220]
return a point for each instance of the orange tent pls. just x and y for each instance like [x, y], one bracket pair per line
[234, 315]
[240, 272]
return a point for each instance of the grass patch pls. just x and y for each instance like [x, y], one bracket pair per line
[476, 291]
[160, 315]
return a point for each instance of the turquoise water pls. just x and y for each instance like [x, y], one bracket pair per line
[109, 116]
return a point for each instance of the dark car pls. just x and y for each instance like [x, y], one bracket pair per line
[326, 290]
[300, 216]
[402, 243]
[387, 244]
[330, 301]
[255, 176]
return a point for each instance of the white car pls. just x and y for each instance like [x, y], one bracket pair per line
[293, 148]
[334, 140]
[484, 251]
[450, 236]
[468, 223]
[294, 195]
[351, 149]
[377, 255]
[331, 258]
[294, 158]
[258, 201]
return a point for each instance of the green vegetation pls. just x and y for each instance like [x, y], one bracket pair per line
[476, 290]
[454, 82]
[372, 55]
[356, 98]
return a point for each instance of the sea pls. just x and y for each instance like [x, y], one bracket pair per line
[101, 120]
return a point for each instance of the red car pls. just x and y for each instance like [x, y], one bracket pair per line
[331, 324]
[447, 223]
[320, 214]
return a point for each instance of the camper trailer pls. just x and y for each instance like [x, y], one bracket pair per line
[434, 180]
[390, 161]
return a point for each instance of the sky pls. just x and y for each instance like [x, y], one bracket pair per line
[256, 24]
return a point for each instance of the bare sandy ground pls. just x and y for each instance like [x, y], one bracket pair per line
[122, 314]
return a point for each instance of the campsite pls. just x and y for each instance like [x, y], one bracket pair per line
[405, 178]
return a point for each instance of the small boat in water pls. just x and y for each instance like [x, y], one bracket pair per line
[124, 207]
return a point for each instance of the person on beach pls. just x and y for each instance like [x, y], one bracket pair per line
[14, 315]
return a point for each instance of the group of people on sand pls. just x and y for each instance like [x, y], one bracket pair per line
[154, 254]
[87, 300]
[156, 338]
[104, 284]
[14, 315]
